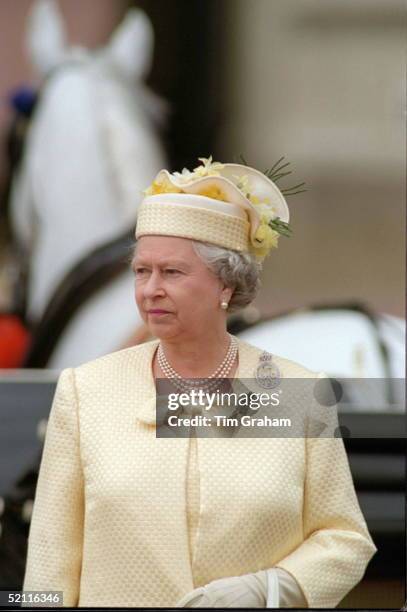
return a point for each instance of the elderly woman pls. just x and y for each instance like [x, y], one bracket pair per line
[124, 518]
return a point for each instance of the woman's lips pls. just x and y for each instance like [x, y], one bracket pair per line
[158, 311]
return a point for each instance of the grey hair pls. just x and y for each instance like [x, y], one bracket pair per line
[238, 271]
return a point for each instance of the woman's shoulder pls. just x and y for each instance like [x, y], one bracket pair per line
[259, 358]
[251, 358]
[118, 361]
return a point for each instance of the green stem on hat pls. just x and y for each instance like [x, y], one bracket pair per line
[242, 159]
[276, 177]
[275, 174]
[276, 164]
[288, 191]
[272, 174]
[281, 227]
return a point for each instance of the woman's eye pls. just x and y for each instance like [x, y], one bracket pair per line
[171, 271]
[139, 271]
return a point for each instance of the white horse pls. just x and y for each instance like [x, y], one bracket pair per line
[90, 151]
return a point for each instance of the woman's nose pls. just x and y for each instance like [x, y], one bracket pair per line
[153, 286]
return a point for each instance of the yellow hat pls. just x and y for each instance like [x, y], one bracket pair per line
[229, 205]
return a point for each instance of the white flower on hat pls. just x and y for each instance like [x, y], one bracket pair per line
[208, 168]
[183, 177]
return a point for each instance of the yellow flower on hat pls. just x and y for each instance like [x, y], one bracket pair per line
[213, 192]
[158, 187]
[254, 199]
[264, 239]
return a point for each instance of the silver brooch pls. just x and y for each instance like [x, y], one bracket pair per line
[267, 373]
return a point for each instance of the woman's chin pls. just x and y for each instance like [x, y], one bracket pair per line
[162, 331]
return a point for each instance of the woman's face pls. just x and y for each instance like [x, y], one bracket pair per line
[176, 294]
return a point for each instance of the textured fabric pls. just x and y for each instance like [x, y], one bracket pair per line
[109, 525]
[198, 201]
[283, 589]
[191, 222]
[193, 498]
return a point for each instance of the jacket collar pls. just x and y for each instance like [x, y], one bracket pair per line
[248, 363]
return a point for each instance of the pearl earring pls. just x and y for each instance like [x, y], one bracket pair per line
[224, 305]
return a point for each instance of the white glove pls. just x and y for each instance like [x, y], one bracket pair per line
[273, 588]
[248, 591]
[290, 592]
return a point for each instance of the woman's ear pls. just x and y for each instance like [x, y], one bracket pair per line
[131, 45]
[45, 36]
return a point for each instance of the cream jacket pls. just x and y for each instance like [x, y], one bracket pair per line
[109, 523]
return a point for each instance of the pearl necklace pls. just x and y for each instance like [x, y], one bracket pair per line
[187, 385]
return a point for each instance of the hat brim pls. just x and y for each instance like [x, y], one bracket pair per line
[263, 187]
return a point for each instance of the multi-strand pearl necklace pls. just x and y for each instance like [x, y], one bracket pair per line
[188, 385]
